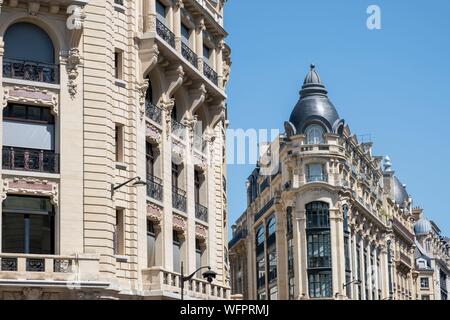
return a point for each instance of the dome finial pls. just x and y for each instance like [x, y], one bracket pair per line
[313, 66]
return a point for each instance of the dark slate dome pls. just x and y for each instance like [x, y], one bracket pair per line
[314, 106]
[400, 193]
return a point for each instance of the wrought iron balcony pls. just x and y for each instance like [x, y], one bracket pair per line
[165, 33]
[178, 199]
[189, 55]
[119, 2]
[153, 112]
[201, 212]
[224, 184]
[317, 178]
[210, 73]
[241, 234]
[264, 209]
[30, 160]
[154, 187]
[30, 70]
[178, 129]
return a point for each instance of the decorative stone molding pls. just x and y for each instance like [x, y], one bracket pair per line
[31, 95]
[167, 106]
[153, 134]
[201, 232]
[179, 223]
[73, 61]
[179, 4]
[31, 293]
[217, 112]
[33, 8]
[154, 213]
[149, 55]
[177, 152]
[30, 186]
[175, 78]
[198, 97]
[142, 90]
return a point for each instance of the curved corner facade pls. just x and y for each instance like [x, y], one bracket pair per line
[333, 222]
[100, 98]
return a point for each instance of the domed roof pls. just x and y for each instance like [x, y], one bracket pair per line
[400, 193]
[422, 227]
[314, 105]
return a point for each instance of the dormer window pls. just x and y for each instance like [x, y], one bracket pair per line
[315, 134]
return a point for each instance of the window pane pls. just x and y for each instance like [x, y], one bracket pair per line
[41, 234]
[13, 233]
[160, 11]
[185, 34]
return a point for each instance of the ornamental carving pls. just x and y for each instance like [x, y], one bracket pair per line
[153, 134]
[154, 212]
[177, 152]
[179, 223]
[142, 90]
[201, 232]
[32, 293]
[73, 61]
[30, 186]
[31, 95]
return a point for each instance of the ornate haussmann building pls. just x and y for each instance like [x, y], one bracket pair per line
[112, 168]
[332, 221]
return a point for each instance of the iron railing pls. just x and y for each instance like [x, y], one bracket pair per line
[154, 187]
[189, 55]
[30, 160]
[178, 129]
[201, 212]
[30, 70]
[178, 199]
[153, 112]
[119, 2]
[210, 73]
[241, 234]
[165, 33]
[224, 184]
[317, 178]
[264, 209]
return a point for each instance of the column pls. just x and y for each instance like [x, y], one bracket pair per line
[281, 245]
[337, 252]
[149, 15]
[199, 28]
[219, 63]
[301, 254]
[177, 23]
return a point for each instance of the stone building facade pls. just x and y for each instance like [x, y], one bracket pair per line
[332, 221]
[95, 94]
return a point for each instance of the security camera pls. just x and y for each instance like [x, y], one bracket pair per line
[209, 275]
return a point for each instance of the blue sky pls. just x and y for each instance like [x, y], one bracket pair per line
[391, 83]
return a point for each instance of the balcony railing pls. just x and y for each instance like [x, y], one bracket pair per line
[266, 207]
[210, 73]
[165, 33]
[47, 267]
[30, 70]
[241, 234]
[30, 160]
[178, 129]
[169, 283]
[317, 178]
[154, 188]
[201, 212]
[119, 2]
[189, 55]
[153, 112]
[178, 199]
[224, 184]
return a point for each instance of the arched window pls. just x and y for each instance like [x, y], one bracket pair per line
[271, 226]
[319, 250]
[22, 36]
[260, 236]
[314, 134]
[29, 54]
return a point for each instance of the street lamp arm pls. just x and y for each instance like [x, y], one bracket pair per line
[187, 278]
[125, 183]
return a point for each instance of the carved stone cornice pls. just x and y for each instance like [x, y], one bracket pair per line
[179, 223]
[149, 56]
[201, 232]
[154, 213]
[153, 134]
[31, 95]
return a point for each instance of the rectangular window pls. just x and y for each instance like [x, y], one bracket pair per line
[28, 127]
[315, 172]
[272, 264]
[206, 53]
[118, 64]
[320, 285]
[319, 251]
[197, 186]
[28, 225]
[424, 283]
[175, 175]
[119, 233]
[150, 157]
[185, 34]
[160, 11]
[291, 288]
[176, 253]
[273, 293]
[151, 243]
[261, 272]
[119, 144]
[198, 257]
